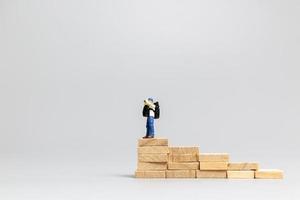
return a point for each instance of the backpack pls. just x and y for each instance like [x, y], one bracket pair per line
[157, 110]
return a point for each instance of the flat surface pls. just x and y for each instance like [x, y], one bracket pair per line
[36, 178]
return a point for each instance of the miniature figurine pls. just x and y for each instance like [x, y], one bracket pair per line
[151, 111]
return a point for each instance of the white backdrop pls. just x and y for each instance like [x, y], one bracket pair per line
[73, 76]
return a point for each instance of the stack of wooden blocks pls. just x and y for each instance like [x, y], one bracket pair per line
[213, 165]
[183, 162]
[157, 160]
[152, 158]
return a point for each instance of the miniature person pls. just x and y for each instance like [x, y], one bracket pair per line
[151, 110]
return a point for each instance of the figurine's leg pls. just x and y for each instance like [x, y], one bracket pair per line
[151, 132]
[151, 127]
[147, 128]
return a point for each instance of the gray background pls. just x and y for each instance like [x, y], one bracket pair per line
[73, 76]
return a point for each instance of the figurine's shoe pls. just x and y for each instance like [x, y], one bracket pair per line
[145, 137]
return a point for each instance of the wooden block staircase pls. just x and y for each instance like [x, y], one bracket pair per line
[157, 160]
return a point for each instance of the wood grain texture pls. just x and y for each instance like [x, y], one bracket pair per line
[183, 157]
[240, 174]
[239, 166]
[269, 174]
[147, 166]
[211, 174]
[153, 157]
[212, 157]
[183, 165]
[184, 150]
[181, 173]
[150, 174]
[213, 165]
[153, 149]
[153, 142]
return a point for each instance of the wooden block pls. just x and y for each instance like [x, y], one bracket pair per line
[211, 174]
[183, 157]
[213, 165]
[240, 174]
[150, 174]
[183, 165]
[269, 174]
[239, 166]
[153, 149]
[153, 157]
[153, 142]
[213, 157]
[145, 166]
[181, 173]
[184, 150]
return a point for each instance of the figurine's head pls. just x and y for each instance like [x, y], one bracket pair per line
[150, 99]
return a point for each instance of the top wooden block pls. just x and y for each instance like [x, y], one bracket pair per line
[153, 142]
[212, 157]
[184, 150]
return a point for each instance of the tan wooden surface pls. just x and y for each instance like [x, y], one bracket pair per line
[145, 166]
[150, 174]
[233, 166]
[269, 174]
[211, 174]
[183, 157]
[240, 174]
[153, 157]
[153, 142]
[208, 157]
[184, 150]
[213, 165]
[181, 173]
[183, 165]
[153, 149]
